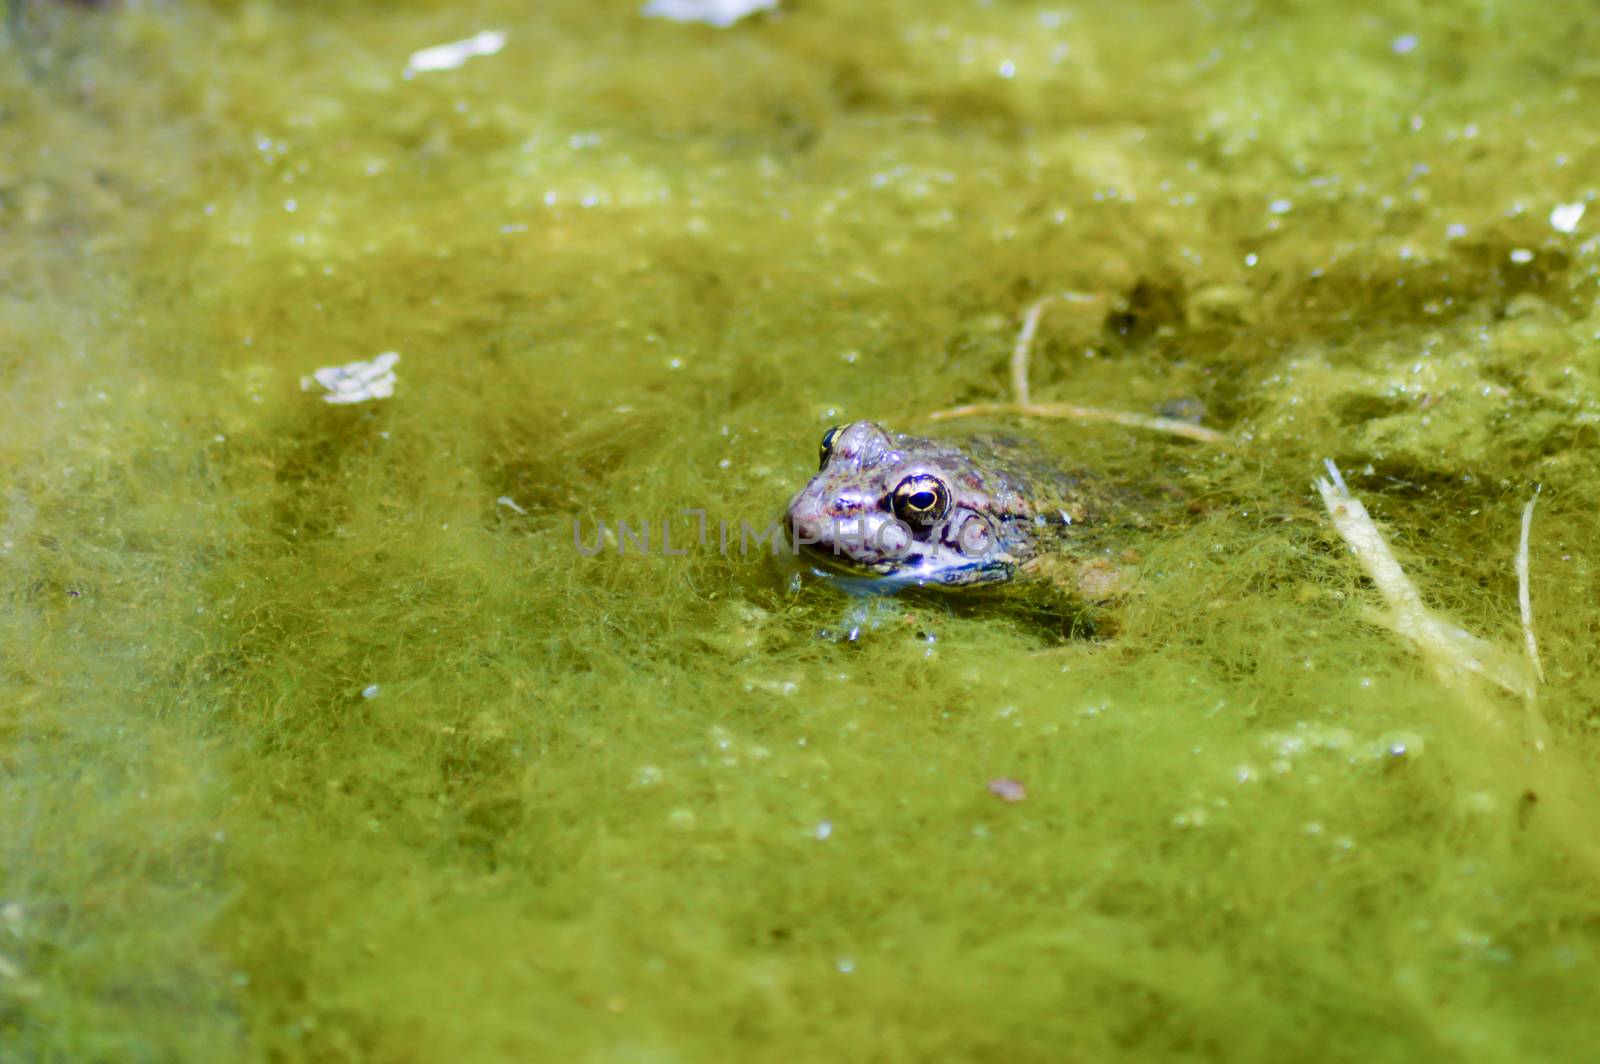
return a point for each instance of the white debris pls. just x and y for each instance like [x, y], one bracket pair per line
[370, 691]
[1007, 789]
[452, 55]
[1564, 217]
[1521, 256]
[719, 13]
[511, 504]
[355, 382]
[1404, 44]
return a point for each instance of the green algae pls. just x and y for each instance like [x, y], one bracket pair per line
[631, 806]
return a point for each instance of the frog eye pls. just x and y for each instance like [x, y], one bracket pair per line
[920, 499]
[825, 450]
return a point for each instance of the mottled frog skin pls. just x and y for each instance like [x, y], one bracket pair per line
[899, 511]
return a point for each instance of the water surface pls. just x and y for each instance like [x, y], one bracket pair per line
[323, 742]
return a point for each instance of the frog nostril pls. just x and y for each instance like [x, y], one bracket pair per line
[805, 529]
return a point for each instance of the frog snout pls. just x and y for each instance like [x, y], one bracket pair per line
[807, 517]
[813, 517]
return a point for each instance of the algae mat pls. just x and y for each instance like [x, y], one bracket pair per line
[323, 741]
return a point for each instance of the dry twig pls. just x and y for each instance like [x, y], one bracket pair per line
[1022, 403]
[1453, 651]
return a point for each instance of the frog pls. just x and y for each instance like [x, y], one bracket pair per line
[888, 511]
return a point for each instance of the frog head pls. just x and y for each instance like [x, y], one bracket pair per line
[896, 511]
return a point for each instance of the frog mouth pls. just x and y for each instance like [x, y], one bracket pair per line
[825, 561]
[913, 569]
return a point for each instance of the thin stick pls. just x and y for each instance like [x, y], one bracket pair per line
[1171, 426]
[1453, 651]
[1022, 353]
[1524, 599]
[1022, 350]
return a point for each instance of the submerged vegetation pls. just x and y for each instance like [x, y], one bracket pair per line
[321, 742]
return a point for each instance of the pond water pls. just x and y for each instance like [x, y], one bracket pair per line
[324, 740]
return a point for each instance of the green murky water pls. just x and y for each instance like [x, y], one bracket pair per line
[632, 808]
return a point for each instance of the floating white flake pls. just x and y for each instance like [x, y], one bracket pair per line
[355, 382]
[1521, 256]
[719, 13]
[452, 55]
[1007, 789]
[1564, 217]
